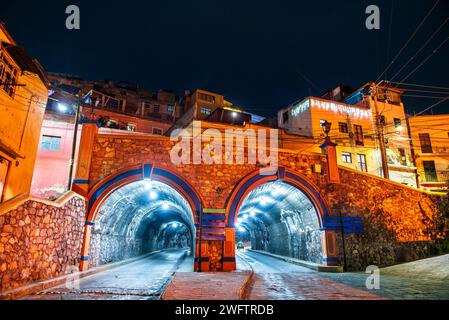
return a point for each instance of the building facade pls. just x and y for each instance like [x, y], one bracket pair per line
[352, 130]
[23, 97]
[430, 136]
[365, 124]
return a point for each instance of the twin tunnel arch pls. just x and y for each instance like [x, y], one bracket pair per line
[146, 208]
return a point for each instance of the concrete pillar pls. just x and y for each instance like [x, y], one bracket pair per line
[84, 263]
[229, 250]
[81, 182]
[330, 149]
[330, 251]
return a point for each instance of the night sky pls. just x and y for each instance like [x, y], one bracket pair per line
[261, 55]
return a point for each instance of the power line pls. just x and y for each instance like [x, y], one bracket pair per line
[425, 60]
[408, 41]
[418, 85]
[420, 49]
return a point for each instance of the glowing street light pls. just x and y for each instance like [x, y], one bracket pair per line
[234, 114]
[62, 107]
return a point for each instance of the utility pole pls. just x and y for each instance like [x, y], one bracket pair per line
[75, 137]
[380, 133]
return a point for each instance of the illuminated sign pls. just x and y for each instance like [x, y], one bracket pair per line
[331, 106]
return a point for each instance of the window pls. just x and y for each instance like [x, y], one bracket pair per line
[8, 75]
[402, 157]
[205, 111]
[343, 127]
[346, 157]
[358, 134]
[206, 97]
[361, 162]
[156, 109]
[131, 127]
[170, 108]
[426, 144]
[285, 117]
[157, 131]
[50, 143]
[397, 123]
[429, 171]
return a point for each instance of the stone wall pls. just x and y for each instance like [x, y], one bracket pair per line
[398, 220]
[39, 241]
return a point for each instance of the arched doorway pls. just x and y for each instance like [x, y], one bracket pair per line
[279, 218]
[282, 214]
[138, 218]
[138, 210]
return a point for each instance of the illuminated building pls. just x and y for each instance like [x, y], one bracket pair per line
[23, 96]
[430, 136]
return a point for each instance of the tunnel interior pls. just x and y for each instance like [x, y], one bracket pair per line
[279, 218]
[141, 217]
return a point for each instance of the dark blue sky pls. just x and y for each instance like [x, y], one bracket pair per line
[253, 52]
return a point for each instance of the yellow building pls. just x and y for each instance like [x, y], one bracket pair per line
[199, 105]
[430, 136]
[387, 108]
[352, 130]
[23, 97]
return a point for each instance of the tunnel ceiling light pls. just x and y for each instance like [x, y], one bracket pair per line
[245, 216]
[165, 206]
[148, 184]
[241, 229]
[264, 201]
[153, 195]
[237, 224]
[252, 213]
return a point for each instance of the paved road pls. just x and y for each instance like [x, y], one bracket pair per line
[139, 280]
[276, 279]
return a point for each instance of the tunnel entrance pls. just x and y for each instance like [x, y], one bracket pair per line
[141, 217]
[279, 218]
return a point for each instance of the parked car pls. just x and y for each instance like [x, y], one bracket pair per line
[240, 245]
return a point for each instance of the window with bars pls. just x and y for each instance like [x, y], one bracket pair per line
[426, 144]
[8, 75]
[358, 135]
[361, 162]
[343, 127]
[50, 143]
[346, 157]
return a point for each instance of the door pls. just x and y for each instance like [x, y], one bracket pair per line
[429, 171]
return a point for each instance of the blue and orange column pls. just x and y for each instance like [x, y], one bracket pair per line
[81, 182]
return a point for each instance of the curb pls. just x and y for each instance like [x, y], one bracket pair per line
[302, 263]
[243, 289]
[47, 284]
[176, 266]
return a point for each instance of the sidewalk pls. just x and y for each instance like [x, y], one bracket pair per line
[207, 286]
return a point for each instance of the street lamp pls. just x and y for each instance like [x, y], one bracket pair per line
[326, 126]
[62, 107]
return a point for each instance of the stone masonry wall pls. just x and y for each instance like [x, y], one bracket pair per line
[397, 220]
[39, 242]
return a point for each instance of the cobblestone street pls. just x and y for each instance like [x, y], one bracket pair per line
[275, 279]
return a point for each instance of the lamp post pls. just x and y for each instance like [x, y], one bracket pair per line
[75, 136]
[326, 126]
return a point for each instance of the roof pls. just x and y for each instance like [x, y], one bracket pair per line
[26, 62]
